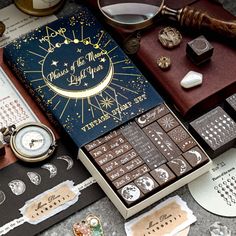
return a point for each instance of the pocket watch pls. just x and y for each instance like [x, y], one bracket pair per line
[32, 142]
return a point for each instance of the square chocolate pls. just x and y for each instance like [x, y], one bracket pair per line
[168, 122]
[146, 183]
[163, 175]
[130, 193]
[199, 50]
[179, 166]
[195, 157]
[216, 129]
[152, 115]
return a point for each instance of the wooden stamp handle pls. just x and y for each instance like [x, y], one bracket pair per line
[197, 19]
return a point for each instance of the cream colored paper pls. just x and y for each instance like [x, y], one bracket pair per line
[166, 219]
[18, 23]
[219, 188]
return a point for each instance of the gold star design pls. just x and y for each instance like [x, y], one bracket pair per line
[54, 63]
[79, 50]
[103, 59]
[106, 102]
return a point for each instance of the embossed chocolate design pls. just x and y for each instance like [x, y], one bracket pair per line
[51, 168]
[17, 186]
[34, 177]
[69, 161]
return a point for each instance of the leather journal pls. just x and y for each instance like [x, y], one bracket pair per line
[219, 79]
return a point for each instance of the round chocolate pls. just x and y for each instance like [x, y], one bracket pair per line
[169, 37]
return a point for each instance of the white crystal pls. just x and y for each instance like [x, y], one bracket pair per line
[218, 229]
[191, 79]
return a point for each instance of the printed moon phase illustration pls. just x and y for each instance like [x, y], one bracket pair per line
[34, 177]
[197, 155]
[181, 164]
[163, 174]
[17, 187]
[68, 159]
[146, 183]
[51, 168]
[2, 197]
[130, 192]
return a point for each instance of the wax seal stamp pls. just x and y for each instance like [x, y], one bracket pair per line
[169, 37]
[2, 28]
[132, 44]
[199, 50]
[164, 62]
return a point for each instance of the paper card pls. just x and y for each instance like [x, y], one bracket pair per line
[219, 188]
[18, 23]
[166, 219]
[13, 108]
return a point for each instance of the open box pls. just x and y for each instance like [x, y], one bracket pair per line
[128, 211]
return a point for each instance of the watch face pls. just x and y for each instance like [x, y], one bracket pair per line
[33, 142]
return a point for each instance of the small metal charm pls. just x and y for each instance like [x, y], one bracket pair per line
[164, 62]
[132, 43]
[169, 37]
[2, 28]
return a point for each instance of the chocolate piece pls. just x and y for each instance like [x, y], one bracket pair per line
[152, 115]
[187, 144]
[179, 166]
[130, 193]
[162, 141]
[2, 149]
[217, 130]
[146, 183]
[123, 180]
[116, 142]
[231, 105]
[178, 134]
[195, 157]
[119, 161]
[144, 147]
[139, 171]
[123, 148]
[199, 50]
[162, 175]
[97, 152]
[131, 165]
[168, 122]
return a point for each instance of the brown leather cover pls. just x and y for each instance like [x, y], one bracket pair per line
[219, 73]
[10, 158]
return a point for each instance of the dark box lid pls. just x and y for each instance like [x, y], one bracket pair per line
[81, 77]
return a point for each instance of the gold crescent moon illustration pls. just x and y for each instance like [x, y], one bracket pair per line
[87, 92]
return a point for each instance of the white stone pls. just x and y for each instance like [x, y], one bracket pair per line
[191, 79]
